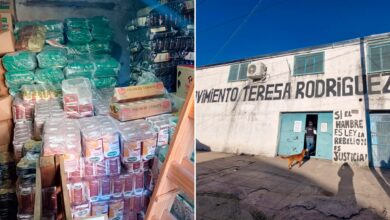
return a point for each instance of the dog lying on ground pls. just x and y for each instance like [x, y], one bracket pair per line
[295, 157]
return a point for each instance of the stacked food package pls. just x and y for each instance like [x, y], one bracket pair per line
[160, 39]
[63, 102]
[77, 97]
[135, 102]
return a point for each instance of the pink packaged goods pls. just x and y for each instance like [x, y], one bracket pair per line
[44, 110]
[26, 196]
[140, 109]
[77, 97]
[22, 110]
[63, 138]
[49, 200]
[23, 132]
[100, 138]
[99, 208]
[115, 209]
[81, 211]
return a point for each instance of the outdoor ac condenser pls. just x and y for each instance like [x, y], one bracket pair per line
[256, 70]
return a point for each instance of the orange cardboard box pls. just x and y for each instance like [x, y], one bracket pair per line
[185, 75]
[6, 108]
[7, 6]
[6, 128]
[6, 21]
[129, 93]
[7, 42]
[3, 87]
[140, 109]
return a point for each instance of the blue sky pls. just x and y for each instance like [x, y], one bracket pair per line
[280, 25]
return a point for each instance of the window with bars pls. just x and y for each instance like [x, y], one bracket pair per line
[309, 64]
[379, 58]
[238, 72]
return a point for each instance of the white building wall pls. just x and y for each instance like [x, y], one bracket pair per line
[252, 127]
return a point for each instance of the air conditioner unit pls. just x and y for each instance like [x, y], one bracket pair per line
[256, 70]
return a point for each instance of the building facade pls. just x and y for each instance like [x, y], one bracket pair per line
[342, 89]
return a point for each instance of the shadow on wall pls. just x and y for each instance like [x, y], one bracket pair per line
[202, 147]
[243, 187]
[383, 176]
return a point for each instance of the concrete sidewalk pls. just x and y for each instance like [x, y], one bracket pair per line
[254, 187]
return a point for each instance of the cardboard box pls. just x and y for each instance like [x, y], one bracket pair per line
[7, 6]
[6, 128]
[185, 76]
[3, 87]
[6, 21]
[129, 93]
[6, 108]
[7, 42]
[140, 109]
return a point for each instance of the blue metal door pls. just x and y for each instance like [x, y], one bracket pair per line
[380, 139]
[324, 145]
[292, 133]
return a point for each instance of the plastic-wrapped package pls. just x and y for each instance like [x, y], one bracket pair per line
[93, 186]
[98, 21]
[77, 97]
[79, 68]
[147, 78]
[19, 61]
[76, 23]
[94, 169]
[99, 208]
[115, 209]
[117, 187]
[22, 110]
[131, 148]
[38, 92]
[51, 109]
[50, 25]
[78, 193]
[104, 83]
[101, 33]
[52, 57]
[106, 66]
[49, 201]
[57, 36]
[81, 211]
[15, 80]
[31, 38]
[138, 182]
[94, 47]
[100, 138]
[128, 184]
[8, 203]
[113, 166]
[63, 137]
[27, 164]
[105, 188]
[32, 147]
[25, 192]
[53, 25]
[7, 169]
[49, 75]
[23, 132]
[101, 100]
[78, 35]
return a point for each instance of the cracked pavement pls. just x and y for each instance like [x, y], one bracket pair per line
[254, 187]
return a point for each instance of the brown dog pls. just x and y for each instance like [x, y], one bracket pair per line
[295, 157]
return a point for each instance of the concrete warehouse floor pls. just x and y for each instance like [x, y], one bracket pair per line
[253, 187]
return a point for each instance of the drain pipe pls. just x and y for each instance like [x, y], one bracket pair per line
[366, 99]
